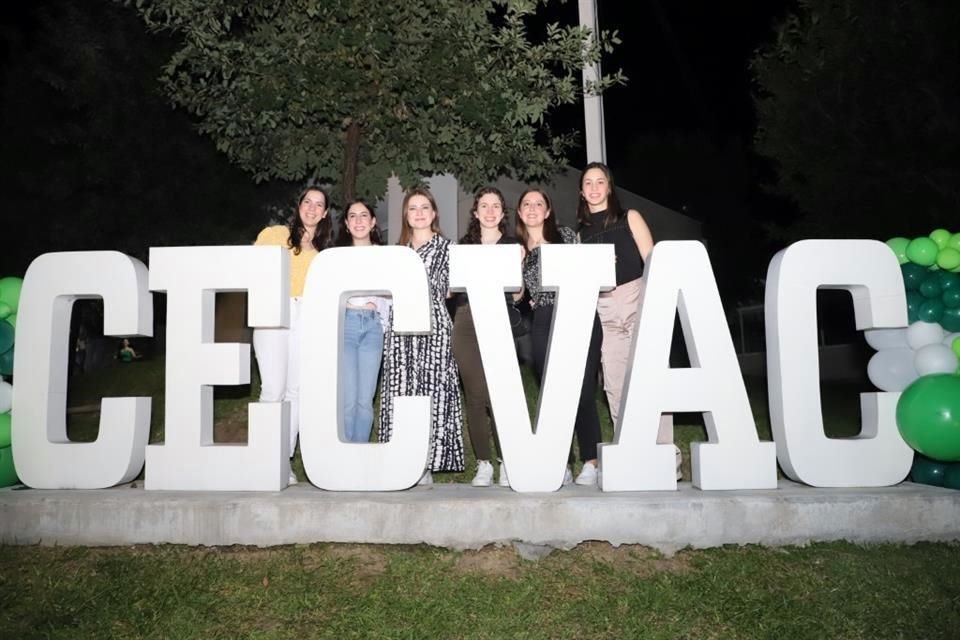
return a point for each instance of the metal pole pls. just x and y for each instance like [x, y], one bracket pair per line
[592, 105]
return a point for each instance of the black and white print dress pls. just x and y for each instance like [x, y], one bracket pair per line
[531, 272]
[423, 365]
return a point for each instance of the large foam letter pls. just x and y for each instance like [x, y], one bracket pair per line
[680, 279]
[329, 462]
[188, 458]
[878, 456]
[45, 458]
[536, 461]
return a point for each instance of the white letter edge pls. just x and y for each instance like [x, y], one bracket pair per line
[188, 459]
[329, 462]
[877, 457]
[680, 280]
[45, 457]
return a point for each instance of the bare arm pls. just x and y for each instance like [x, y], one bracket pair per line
[641, 233]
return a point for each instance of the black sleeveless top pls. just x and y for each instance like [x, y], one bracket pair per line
[629, 262]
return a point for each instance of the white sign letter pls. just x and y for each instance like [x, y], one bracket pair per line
[536, 461]
[878, 457]
[188, 458]
[680, 279]
[329, 462]
[45, 457]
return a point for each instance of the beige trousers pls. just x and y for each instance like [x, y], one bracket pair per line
[618, 311]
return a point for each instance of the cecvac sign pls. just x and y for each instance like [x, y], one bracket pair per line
[679, 279]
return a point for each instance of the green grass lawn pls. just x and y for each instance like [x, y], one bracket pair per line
[595, 591]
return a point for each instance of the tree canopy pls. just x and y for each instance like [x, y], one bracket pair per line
[858, 103]
[352, 91]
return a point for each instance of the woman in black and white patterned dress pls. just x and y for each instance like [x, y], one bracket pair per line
[537, 226]
[423, 365]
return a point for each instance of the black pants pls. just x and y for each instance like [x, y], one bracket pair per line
[587, 426]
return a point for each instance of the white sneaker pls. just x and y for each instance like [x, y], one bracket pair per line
[293, 478]
[679, 463]
[426, 479]
[588, 475]
[504, 482]
[484, 477]
[567, 476]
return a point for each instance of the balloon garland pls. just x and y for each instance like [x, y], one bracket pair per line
[922, 360]
[9, 301]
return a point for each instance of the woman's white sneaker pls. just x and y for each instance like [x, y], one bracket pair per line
[588, 475]
[504, 481]
[484, 477]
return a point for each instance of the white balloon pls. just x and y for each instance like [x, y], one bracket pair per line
[6, 395]
[881, 339]
[935, 358]
[892, 369]
[920, 334]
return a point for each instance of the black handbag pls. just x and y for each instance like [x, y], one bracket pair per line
[519, 324]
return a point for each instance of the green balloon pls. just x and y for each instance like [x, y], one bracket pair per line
[930, 288]
[928, 416]
[927, 471]
[951, 476]
[6, 362]
[941, 237]
[12, 320]
[951, 298]
[950, 320]
[914, 300]
[913, 275]
[954, 241]
[8, 473]
[5, 310]
[10, 291]
[948, 258]
[6, 336]
[923, 251]
[931, 310]
[5, 429]
[948, 280]
[899, 247]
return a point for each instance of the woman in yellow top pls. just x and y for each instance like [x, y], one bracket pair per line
[306, 233]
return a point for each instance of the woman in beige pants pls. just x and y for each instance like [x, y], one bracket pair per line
[603, 220]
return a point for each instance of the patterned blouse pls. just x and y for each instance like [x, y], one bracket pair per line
[531, 272]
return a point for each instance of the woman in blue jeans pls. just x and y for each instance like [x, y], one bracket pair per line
[363, 329]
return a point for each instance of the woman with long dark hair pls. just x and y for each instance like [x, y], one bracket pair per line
[423, 365]
[537, 226]
[603, 220]
[307, 232]
[365, 321]
[488, 225]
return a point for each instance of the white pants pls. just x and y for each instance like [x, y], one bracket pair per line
[278, 359]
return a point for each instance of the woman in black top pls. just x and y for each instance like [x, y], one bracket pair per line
[536, 226]
[603, 220]
[488, 225]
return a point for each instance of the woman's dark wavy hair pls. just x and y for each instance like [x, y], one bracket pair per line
[322, 237]
[550, 231]
[472, 236]
[344, 239]
[615, 211]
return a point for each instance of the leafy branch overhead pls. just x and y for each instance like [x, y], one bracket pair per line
[352, 91]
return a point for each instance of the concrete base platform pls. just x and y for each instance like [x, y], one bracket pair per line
[460, 516]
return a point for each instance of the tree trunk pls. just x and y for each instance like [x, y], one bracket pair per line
[351, 154]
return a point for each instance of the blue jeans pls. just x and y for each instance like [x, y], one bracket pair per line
[359, 370]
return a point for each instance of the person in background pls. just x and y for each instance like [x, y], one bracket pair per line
[536, 226]
[603, 220]
[307, 232]
[423, 365]
[365, 321]
[488, 224]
